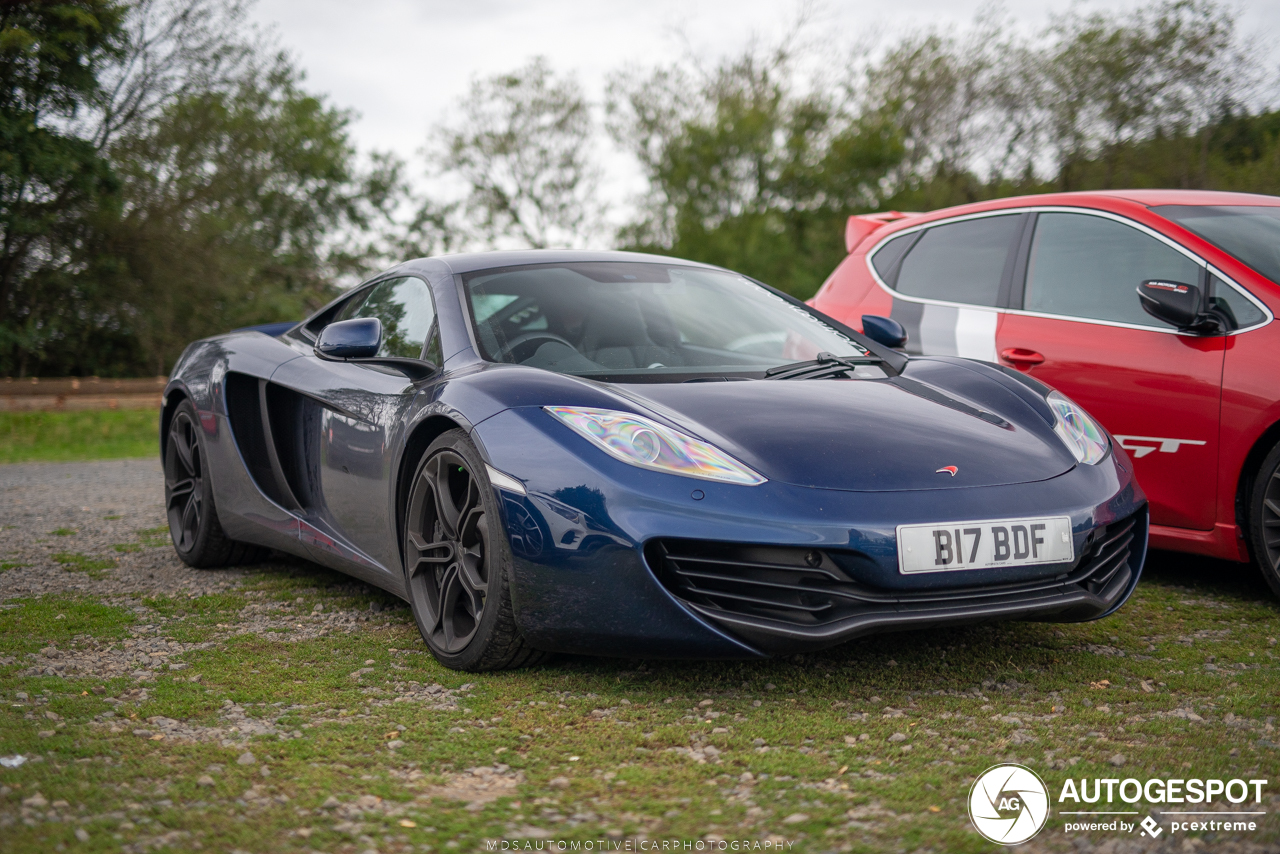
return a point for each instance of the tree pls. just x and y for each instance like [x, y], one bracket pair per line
[1171, 68]
[747, 168]
[236, 197]
[522, 149]
[233, 202]
[50, 179]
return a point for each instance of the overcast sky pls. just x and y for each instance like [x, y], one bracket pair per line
[401, 64]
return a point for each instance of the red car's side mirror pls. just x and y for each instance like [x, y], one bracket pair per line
[1178, 304]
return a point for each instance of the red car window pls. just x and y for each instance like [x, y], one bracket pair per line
[1089, 266]
[960, 261]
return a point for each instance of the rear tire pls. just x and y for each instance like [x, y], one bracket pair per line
[457, 562]
[1264, 519]
[197, 534]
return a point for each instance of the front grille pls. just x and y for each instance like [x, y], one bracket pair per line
[812, 588]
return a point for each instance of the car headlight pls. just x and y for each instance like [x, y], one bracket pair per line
[651, 445]
[1080, 433]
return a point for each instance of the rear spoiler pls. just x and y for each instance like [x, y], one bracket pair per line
[861, 225]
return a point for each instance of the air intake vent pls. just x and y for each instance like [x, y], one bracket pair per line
[247, 404]
[810, 588]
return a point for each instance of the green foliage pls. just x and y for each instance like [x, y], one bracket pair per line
[751, 170]
[231, 200]
[226, 194]
[51, 181]
[522, 147]
[165, 174]
[56, 436]
[748, 171]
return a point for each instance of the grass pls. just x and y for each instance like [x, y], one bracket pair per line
[76, 562]
[802, 748]
[868, 747]
[92, 435]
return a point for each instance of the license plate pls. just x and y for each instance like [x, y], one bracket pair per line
[986, 544]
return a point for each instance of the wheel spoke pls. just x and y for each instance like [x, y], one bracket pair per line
[450, 590]
[446, 511]
[190, 519]
[470, 572]
[471, 525]
[1272, 505]
[182, 446]
[429, 561]
[181, 490]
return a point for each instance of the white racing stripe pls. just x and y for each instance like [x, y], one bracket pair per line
[976, 334]
[938, 330]
[947, 330]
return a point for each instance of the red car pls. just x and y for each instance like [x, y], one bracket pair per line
[1151, 308]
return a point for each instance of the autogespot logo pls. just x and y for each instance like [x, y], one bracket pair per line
[1008, 804]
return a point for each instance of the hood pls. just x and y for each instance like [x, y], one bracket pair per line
[860, 435]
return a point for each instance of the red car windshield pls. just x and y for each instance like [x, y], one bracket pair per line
[1251, 233]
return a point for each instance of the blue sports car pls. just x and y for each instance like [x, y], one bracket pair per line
[623, 454]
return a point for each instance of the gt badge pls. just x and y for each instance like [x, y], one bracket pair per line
[1140, 446]
[951, 470]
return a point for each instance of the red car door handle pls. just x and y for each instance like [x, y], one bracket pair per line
[1021, 355]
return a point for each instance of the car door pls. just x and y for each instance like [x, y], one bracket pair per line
[351, 417]
[948, 281]
[1077, 325]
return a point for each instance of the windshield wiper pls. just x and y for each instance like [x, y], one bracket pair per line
[827, 364]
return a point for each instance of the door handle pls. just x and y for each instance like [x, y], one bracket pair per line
[1021, 356]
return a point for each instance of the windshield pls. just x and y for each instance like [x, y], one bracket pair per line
[642, 320]
[1251, 233]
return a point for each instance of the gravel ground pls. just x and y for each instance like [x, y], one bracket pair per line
[105, 503]
[111, 511]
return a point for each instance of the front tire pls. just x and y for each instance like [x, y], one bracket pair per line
[197, 534]
[457, 563]
[1264, 519]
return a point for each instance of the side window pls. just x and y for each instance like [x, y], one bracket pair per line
[960, 261]
[1239, 311]
[407, 313]
[433, 353]
[1089, 266]
[887, 256]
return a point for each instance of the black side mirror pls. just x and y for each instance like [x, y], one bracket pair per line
[884, 330]
[358, 338]
[1179, 304]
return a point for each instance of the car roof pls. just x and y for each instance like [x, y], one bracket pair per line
[1189, 197]
[469, 262]
[1095, 198]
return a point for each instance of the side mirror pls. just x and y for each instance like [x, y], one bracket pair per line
[884, 330]
[1179, 304]
[358, 338]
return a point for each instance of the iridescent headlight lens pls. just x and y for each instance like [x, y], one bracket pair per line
[651, 445]
[1078, 431]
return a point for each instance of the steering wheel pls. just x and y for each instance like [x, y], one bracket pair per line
[519, 349]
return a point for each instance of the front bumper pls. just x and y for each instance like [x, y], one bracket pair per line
[609, 559]
[789, 600]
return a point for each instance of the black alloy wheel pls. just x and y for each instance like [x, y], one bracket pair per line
[1264, 519]
[448, 529]
[197, 534]
[456, 562]
[184, 482]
